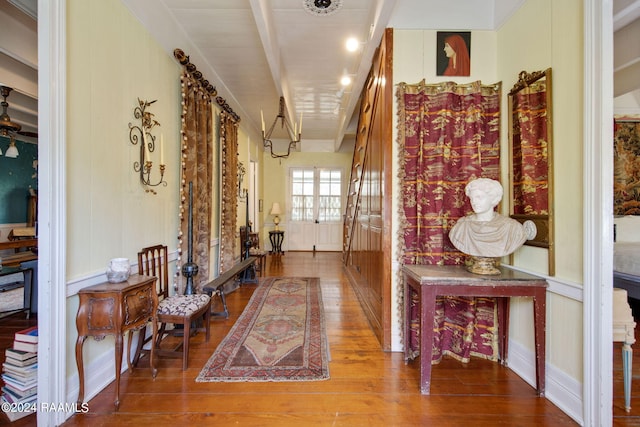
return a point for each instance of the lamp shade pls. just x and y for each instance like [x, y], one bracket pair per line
[275, 209]
[12, 151]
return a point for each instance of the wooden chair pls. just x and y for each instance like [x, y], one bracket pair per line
[254, 248]
[255, 251]
[184, 310]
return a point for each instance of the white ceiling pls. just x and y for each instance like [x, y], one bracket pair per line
[254, 51]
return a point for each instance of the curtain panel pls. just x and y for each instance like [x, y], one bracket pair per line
[229, 190]
[448, 134]
[197, 167]
[530, 160]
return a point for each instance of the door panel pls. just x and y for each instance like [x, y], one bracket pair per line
[316, 199]
[300, 235]
[329, 236]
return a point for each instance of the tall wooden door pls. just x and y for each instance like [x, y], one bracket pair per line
[315, 219]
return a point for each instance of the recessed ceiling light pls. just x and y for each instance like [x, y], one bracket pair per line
[352, 44]
[345, 81]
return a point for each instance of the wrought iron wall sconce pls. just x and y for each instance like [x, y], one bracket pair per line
[241, 173]
[142, 133]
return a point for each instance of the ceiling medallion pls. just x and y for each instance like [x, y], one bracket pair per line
[322, 7]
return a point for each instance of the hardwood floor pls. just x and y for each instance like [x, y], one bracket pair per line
[367, 387]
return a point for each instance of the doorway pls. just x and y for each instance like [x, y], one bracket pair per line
[316, 200]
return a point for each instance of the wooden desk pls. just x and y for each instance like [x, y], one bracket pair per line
[112, 309]
[429, 281]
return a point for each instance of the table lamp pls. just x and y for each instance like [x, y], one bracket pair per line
[275, 210]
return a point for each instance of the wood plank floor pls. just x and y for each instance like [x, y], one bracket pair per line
[367, 387]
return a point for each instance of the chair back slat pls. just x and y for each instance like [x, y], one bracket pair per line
[153, 261]
[255, 240]
[243, 235]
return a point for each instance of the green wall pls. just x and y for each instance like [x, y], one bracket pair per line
[16, 177]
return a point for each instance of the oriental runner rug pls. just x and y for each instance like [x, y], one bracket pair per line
[280, 336]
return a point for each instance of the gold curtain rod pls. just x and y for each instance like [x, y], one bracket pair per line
[183, 59]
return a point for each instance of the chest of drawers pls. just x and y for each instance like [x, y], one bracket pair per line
[113, 309]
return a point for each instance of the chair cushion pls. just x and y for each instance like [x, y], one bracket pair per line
[257, 252]
[182, 305]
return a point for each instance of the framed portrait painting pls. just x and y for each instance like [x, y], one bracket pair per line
[454, 53]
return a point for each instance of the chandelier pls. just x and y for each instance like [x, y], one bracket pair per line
[293, 132]
[7, 127]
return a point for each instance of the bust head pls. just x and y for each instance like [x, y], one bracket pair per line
[486, 233]
[484, 194]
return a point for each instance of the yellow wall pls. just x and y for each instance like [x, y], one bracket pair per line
[559, 46]
[275, 180]
[249, 151]
[113, 61]
[542, 34]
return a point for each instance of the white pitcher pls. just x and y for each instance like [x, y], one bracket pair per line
[118, 270]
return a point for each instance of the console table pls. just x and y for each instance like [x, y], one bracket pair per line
[429, 281]
[112, 309]
[276, 237]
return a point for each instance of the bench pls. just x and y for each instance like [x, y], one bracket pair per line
[216, 286]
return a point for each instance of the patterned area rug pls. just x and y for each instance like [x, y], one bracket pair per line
[280, 336]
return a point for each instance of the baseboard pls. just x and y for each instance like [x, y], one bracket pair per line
[562, 390]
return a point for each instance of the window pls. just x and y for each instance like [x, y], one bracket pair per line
[329, 195]
[316, 193]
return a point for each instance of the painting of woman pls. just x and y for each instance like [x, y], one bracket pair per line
[456, 53]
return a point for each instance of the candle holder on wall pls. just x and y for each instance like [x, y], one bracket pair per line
[241, 173]
[142, 133]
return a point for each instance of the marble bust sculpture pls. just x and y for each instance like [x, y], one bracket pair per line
[486, 233]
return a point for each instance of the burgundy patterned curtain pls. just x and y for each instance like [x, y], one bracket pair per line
[229, 192]
[530, 160]
[197, 167]
[448, 135]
